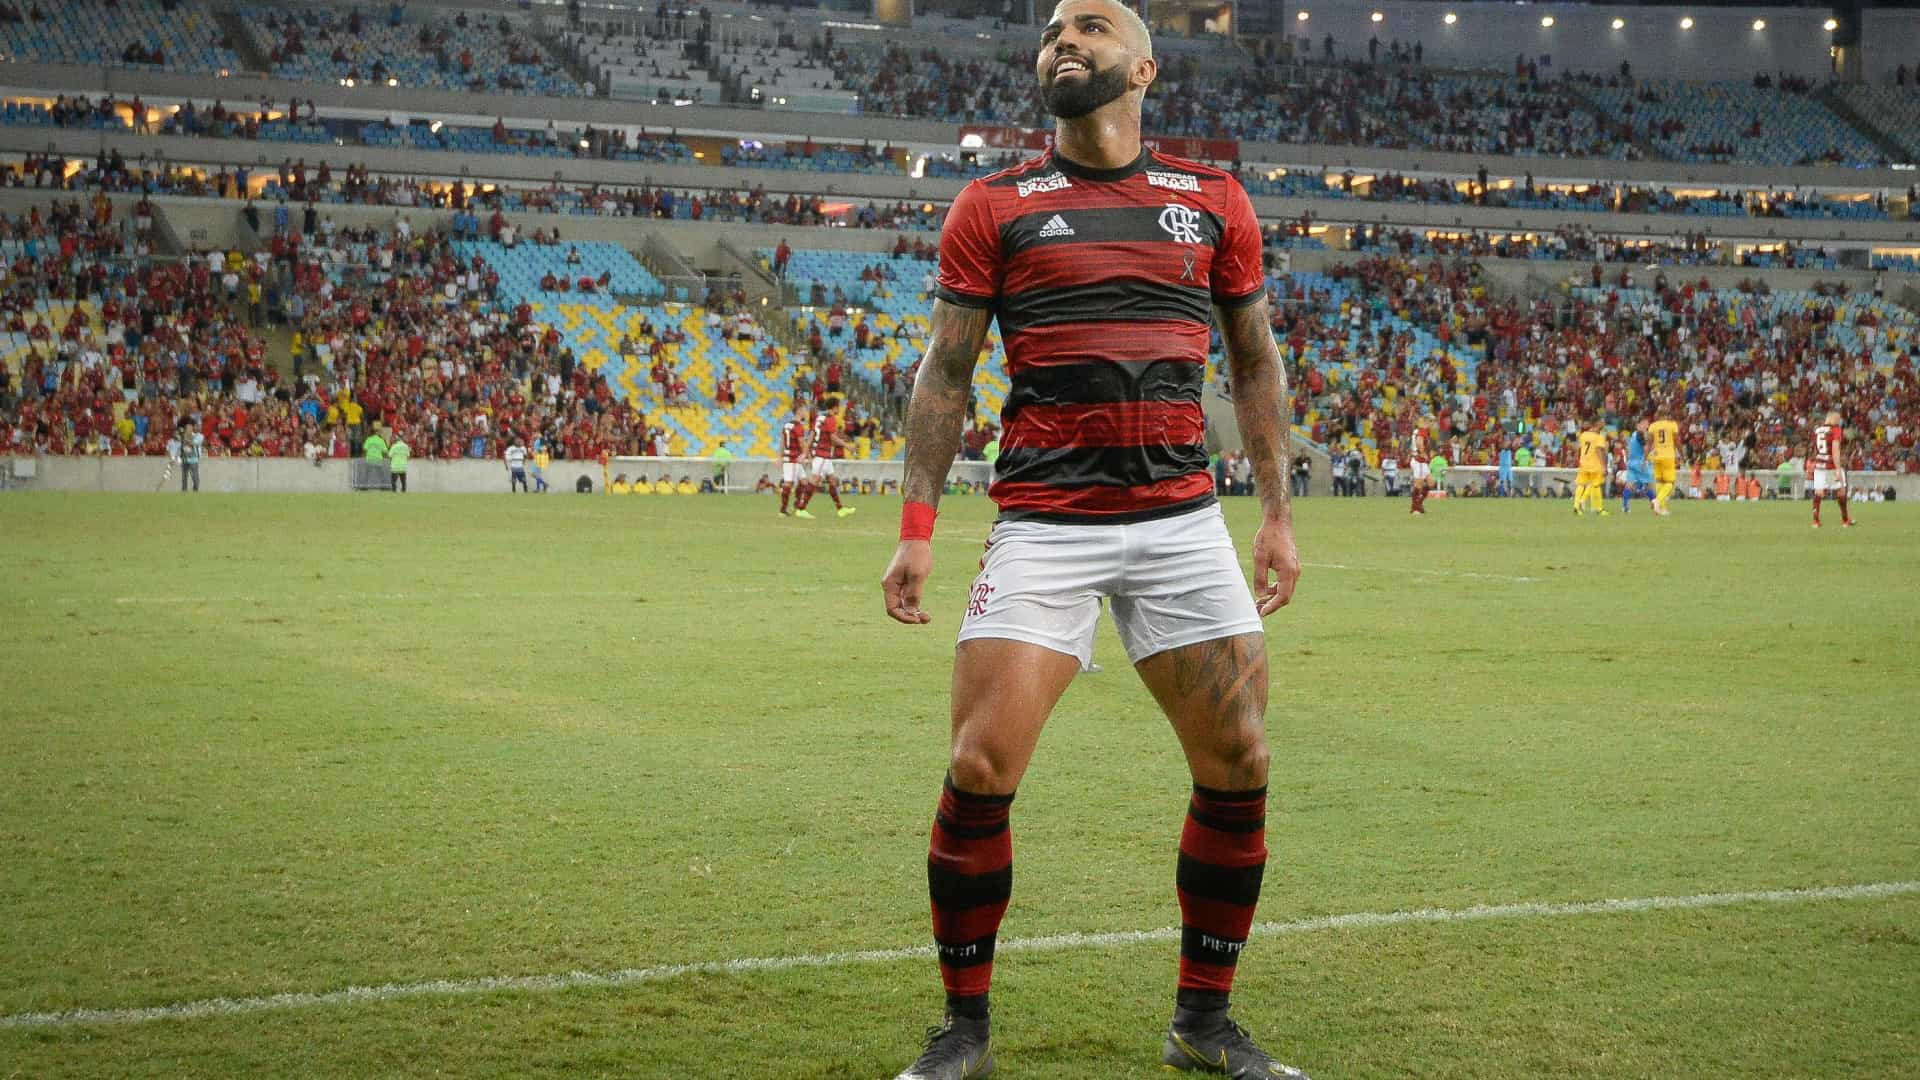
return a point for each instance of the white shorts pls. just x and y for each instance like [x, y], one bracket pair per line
[789, 472]
[1829, 479]
[1419, 470]
[822, 468]
[1173, 581]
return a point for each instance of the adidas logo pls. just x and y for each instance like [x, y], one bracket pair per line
[1056, 226]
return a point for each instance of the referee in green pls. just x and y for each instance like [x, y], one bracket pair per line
[398, 453]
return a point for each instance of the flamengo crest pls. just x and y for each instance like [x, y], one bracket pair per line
[1182, 223]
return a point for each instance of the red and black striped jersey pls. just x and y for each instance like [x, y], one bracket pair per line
[1103, 282]
[824, 427]
[1826, 447]
[793, 441]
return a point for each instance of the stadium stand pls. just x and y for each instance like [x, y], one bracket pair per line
[1722, 122]
[431, 50]
[779, 77]
[123, 33]
[635, 68]
[1894, 110]
[646, 360]
[1364, 105]
[885, 302]
[1377, 343]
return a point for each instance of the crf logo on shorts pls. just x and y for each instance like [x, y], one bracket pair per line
[1182, 223]
[977, 600]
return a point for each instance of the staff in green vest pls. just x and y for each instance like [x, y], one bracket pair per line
[1523, 458]
[375, 447]
[398, 454]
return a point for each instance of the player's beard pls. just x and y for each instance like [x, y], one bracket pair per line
[1073, 100]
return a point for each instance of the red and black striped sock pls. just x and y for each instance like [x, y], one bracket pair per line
[969, 878]
[1223, 855]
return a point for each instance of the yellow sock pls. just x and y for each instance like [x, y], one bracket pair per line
[1579, 496]
[1597, 495]
[1662, 494]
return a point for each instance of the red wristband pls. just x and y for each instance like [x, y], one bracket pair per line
[916, 521]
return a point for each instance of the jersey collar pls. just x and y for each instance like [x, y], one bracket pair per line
[1103, 176]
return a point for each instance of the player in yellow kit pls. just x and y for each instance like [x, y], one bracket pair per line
[1590, 484]
[1665, 452]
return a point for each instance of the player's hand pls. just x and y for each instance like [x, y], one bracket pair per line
[906, 576]
[1276, 566]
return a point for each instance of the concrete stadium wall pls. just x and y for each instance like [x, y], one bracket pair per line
[296, 476]
[536, 112]
[1890, 38]
[234, 476]
[1721, 45]
[1906, 487]
[217, 222]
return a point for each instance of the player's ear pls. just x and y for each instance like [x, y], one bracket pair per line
[1145, 68]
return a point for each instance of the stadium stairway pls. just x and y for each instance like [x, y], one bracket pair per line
[750, 428]
[166, 239]
[1606, 117]
[557, 51]
[251, 55]
[1844, 109]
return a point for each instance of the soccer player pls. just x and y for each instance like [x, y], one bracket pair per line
[1104, 263]
[1418, 467]
[1589, 484]
[1639, 472]
[793, 451]
[1829, 469]
[828, 444]
[1665, 435]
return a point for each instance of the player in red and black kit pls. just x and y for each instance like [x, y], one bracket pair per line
[1417, 467]
[829, 445]
[1828, 463]
[793, 455]
[1105, 265]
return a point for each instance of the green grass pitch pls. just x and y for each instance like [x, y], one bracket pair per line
[257, 745]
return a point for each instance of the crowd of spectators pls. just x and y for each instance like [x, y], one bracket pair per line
[462, 51]
[1567, 243]
[1733, 367]
[116, 346]
[391, 331]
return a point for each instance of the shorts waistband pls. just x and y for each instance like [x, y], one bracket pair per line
[1133, 517]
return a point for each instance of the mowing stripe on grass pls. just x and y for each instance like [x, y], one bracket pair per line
[192, 1010]
[1518, 579]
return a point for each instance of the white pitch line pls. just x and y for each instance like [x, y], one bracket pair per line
[354, 995]
[1516, 578]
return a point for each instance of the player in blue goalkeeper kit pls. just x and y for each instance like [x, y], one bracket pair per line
[1639, 470]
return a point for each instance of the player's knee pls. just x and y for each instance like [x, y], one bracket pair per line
[1241, 752]
[981, 768]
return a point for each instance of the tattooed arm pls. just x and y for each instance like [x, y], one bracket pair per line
[1260, 404]
[934, 419]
